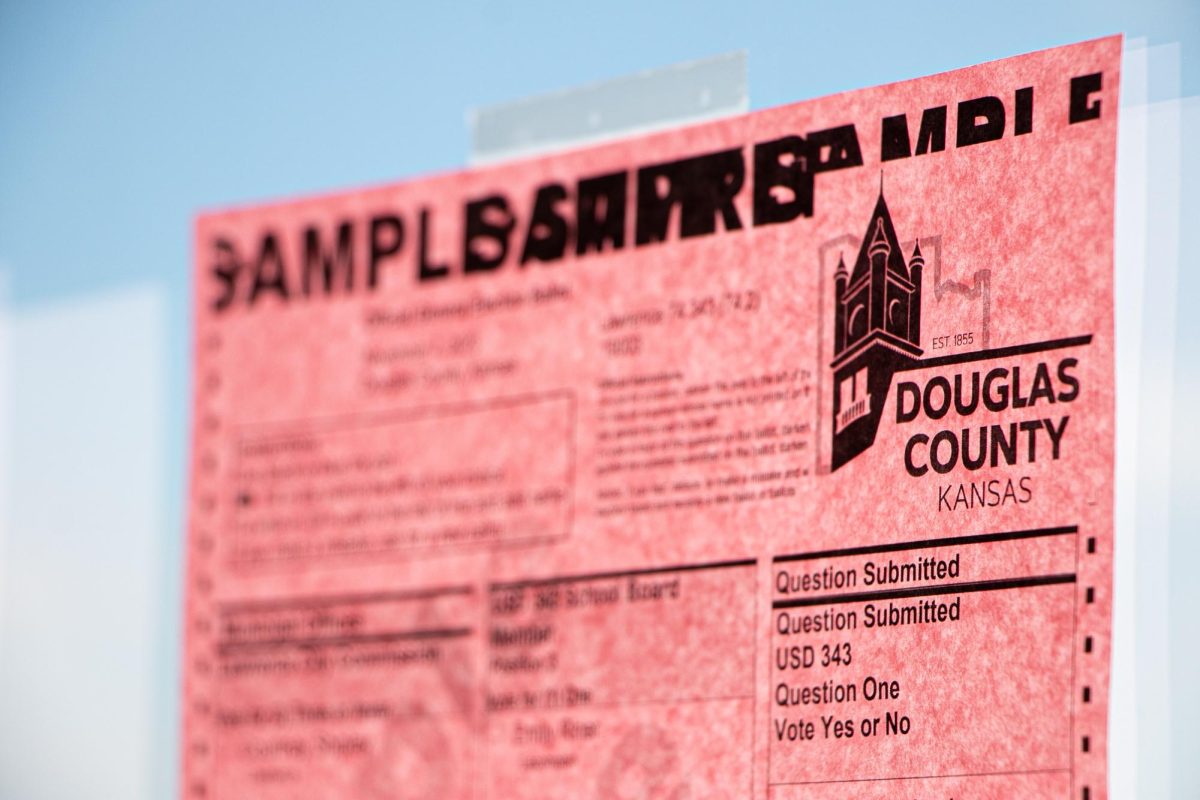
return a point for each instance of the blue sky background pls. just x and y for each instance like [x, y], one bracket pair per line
[119, 120]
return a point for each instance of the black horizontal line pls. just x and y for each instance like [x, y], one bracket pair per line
[996, 352]
[948, 541]
[343, 641]
[339, 423]
[1046, 770]
[654, 701]
[283, 561]
[276, 603]
[629, 573]
[925, 591]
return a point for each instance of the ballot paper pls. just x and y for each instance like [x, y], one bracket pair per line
[769, 458]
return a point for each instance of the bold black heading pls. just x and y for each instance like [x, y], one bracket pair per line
[689, 197]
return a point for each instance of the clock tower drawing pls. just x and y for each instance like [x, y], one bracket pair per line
[877, 331]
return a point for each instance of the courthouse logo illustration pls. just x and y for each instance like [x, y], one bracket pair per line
[877, 332]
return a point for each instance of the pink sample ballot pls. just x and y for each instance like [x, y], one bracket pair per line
[766, 458]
